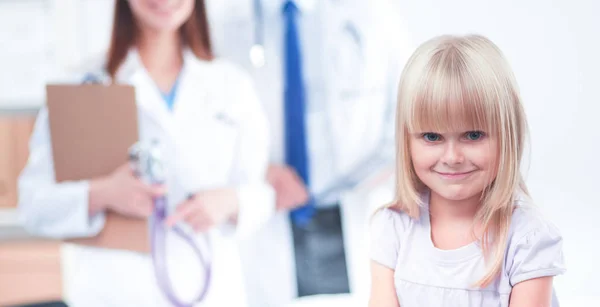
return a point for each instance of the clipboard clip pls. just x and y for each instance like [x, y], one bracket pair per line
[91, 78]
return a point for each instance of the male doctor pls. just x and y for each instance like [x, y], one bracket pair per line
[327, 72]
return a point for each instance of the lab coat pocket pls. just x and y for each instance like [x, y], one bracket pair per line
[221, 140]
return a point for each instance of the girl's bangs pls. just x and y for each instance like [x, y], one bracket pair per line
[451, 100]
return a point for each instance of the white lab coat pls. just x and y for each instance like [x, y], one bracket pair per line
[216, 136]
[351, 80]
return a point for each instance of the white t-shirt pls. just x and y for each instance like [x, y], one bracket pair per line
[427, 276]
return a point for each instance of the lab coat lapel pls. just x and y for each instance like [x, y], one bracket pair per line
[194, 83]
[149, 99]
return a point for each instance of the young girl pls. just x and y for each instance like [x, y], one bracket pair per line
[462, 231]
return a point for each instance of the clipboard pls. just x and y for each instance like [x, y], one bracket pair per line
[92, 127]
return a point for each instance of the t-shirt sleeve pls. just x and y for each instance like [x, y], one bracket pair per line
[385, 242]
[538, 253]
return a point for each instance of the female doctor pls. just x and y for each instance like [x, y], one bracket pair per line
[215, 145]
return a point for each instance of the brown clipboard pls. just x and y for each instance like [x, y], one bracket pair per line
[92, 127]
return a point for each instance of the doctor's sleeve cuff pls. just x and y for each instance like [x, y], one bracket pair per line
[60, 211]
[256, 206]
[85, 225]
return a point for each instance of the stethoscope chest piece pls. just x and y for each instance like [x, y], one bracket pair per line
[257, 55]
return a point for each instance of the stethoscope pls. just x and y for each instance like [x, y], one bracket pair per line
[146, 162]
[257, 51]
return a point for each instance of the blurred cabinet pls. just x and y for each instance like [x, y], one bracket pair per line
[15, 132]
[30, 272]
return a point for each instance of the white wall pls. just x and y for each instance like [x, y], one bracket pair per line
[42, 40]
[554, 48]
[24, 49]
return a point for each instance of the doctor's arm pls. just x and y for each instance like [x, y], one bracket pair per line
[74, 209]
[376, 168]
[45, 207]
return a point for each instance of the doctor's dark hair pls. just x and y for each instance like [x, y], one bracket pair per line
[194, 33]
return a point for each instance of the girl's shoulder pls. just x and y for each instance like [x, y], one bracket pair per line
[534, 245]
[391, 218]
[387, 227]
[527, 218]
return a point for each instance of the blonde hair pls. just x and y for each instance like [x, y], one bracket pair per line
[464, 82]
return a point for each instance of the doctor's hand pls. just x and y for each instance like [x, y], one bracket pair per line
[289, 189]
[123, 193]
[207, 209]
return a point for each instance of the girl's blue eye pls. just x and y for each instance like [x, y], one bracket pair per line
[431, 137]
[474, 135]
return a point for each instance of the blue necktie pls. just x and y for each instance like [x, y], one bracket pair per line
[295, 110]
